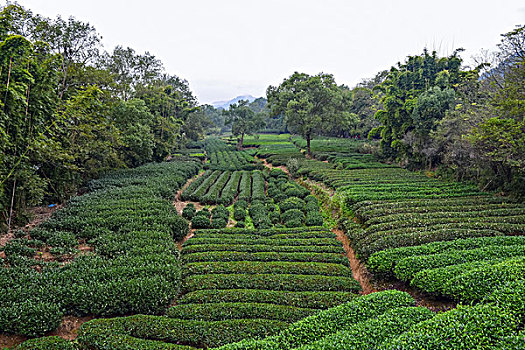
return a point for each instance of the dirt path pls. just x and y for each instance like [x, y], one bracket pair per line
[68, 330]
[180, 204]
[38, 215]
[359, 271]
[269, 165]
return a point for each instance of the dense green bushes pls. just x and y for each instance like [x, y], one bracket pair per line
[286, 282]
[311, 300]
[336, 258]
[29, 318]
[154, 332]
[329, 321]
[47, 343]
[385, 261]
[273, 267]
[371, 333]
[467, 327]
[242, 310]
[280, 274]
[131, 225]
[466, 270]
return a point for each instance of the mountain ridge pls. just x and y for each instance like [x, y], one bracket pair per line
[226, 104]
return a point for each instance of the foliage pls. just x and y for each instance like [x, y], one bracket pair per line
[243, 119]
[309, 103]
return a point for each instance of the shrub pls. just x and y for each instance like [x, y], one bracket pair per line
[46, 343]
[328, 321]
[30, 318]
[371, 333]
[313, 219]
[200, 221]
[467, 327]
[292, 203]
[189, 211]
[120, 332]
[220, 212]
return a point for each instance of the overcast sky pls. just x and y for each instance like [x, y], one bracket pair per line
[226, 48]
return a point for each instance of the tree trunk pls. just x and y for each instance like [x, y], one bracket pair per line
[308, 137]
[9, 220]
[241, 142]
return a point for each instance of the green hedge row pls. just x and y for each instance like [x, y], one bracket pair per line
[467, 327]
[196, 183]
[407, 268]
[158, 332]
[241, 310]
[285, 282]
[365, 248]
[213, 195]
[254, 248]
[225, 235]
[230, 189]
[487, 215]
[266, 256]
[309, 300]
[265, 232]
[477, 283]
[262, 241]
[369, 209]
[384, 261]
[231, 160]
[328, 321]
[506, 224]
[245, 187]
[258, 186]
[272, 267]
[434, 281]
[47, 343]
[371, 333]
[200, 191]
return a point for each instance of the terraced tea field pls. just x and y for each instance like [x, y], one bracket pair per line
[261, 269]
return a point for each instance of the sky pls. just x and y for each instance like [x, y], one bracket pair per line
[227, 48]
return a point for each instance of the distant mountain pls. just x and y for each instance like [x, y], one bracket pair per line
[226, 104]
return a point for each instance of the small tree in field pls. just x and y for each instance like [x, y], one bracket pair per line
[243, 119]
[309, 103]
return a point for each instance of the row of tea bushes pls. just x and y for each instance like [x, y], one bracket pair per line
[274, 275]
[232, 160]
[217, 218]
[463, 269]
[132, 226]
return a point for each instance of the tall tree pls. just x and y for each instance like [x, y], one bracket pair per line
[309, 103]
[243, 119]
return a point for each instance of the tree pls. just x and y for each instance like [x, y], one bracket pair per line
[78, 44]
[402, 111]
[243, 119]
[309, 103]
[134, 121]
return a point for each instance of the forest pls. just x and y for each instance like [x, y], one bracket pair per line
[387, 215]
